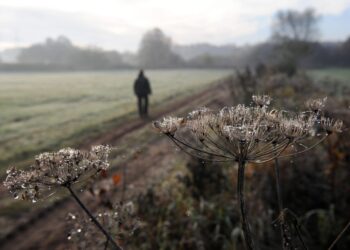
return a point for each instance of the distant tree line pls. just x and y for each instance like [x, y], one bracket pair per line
[293, 44]
[61, 54]
[326, 55]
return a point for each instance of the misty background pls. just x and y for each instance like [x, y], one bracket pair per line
[68, 37]
[158, 51]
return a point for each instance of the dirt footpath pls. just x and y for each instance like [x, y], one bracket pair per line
[146, 165]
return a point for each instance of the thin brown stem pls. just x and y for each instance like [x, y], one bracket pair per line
[307, 149]
[339, 236]
[278, 186]
[279, 200]
[93, 219]
[300, 237]
[240, 189]
[124, 184]
[106, 244]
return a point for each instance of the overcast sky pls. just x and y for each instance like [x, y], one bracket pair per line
[119, 24]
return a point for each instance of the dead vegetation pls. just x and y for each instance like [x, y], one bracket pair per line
[193, 205]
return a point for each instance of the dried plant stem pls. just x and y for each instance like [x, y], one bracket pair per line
[283, 211]
[106, 244]
[278, 186]
[297, 229]
[279, 199]
[339, 235]
[99, 226]
[240, 190]
[124, 184]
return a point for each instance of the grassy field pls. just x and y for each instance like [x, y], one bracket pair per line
[339, 74]
[40, 111]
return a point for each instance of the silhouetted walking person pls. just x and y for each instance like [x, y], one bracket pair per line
[142, 89]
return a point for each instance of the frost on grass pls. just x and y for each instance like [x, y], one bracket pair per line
[252, 133]
[55, 169]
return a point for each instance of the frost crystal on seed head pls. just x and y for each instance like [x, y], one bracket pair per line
[54, 169]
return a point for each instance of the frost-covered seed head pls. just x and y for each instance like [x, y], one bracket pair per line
[263, 133]
[293, 129]
[331, 126]
[54, 169]
[317, 104]
[199, 112]
[169, 125]
[262, 100]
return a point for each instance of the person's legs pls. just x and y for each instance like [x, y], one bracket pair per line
[146, 105]
[142, 106]
[139, 105]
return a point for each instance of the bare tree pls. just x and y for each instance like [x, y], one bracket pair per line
[61, 52]
[295, 26]
[293, 32]
[156, 51]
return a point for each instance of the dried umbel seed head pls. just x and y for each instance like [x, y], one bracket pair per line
[316, 105]
[169, 125]
[262, 100]
[199, 112]
[54, 169]
[274, 117]
[101, 153]
[239, 114]
[242, 133]
[201, 126]
[331, 126]
[255, 134]
[294, 129]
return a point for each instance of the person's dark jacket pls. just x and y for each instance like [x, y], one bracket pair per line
[142, 86]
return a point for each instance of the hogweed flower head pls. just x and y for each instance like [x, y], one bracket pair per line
[199, 112]
[316, 105]
[297, 128]
[55, 169]
[262, 100]
[331, 125]
[169, 125]
[255, 134]
[248, 134]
